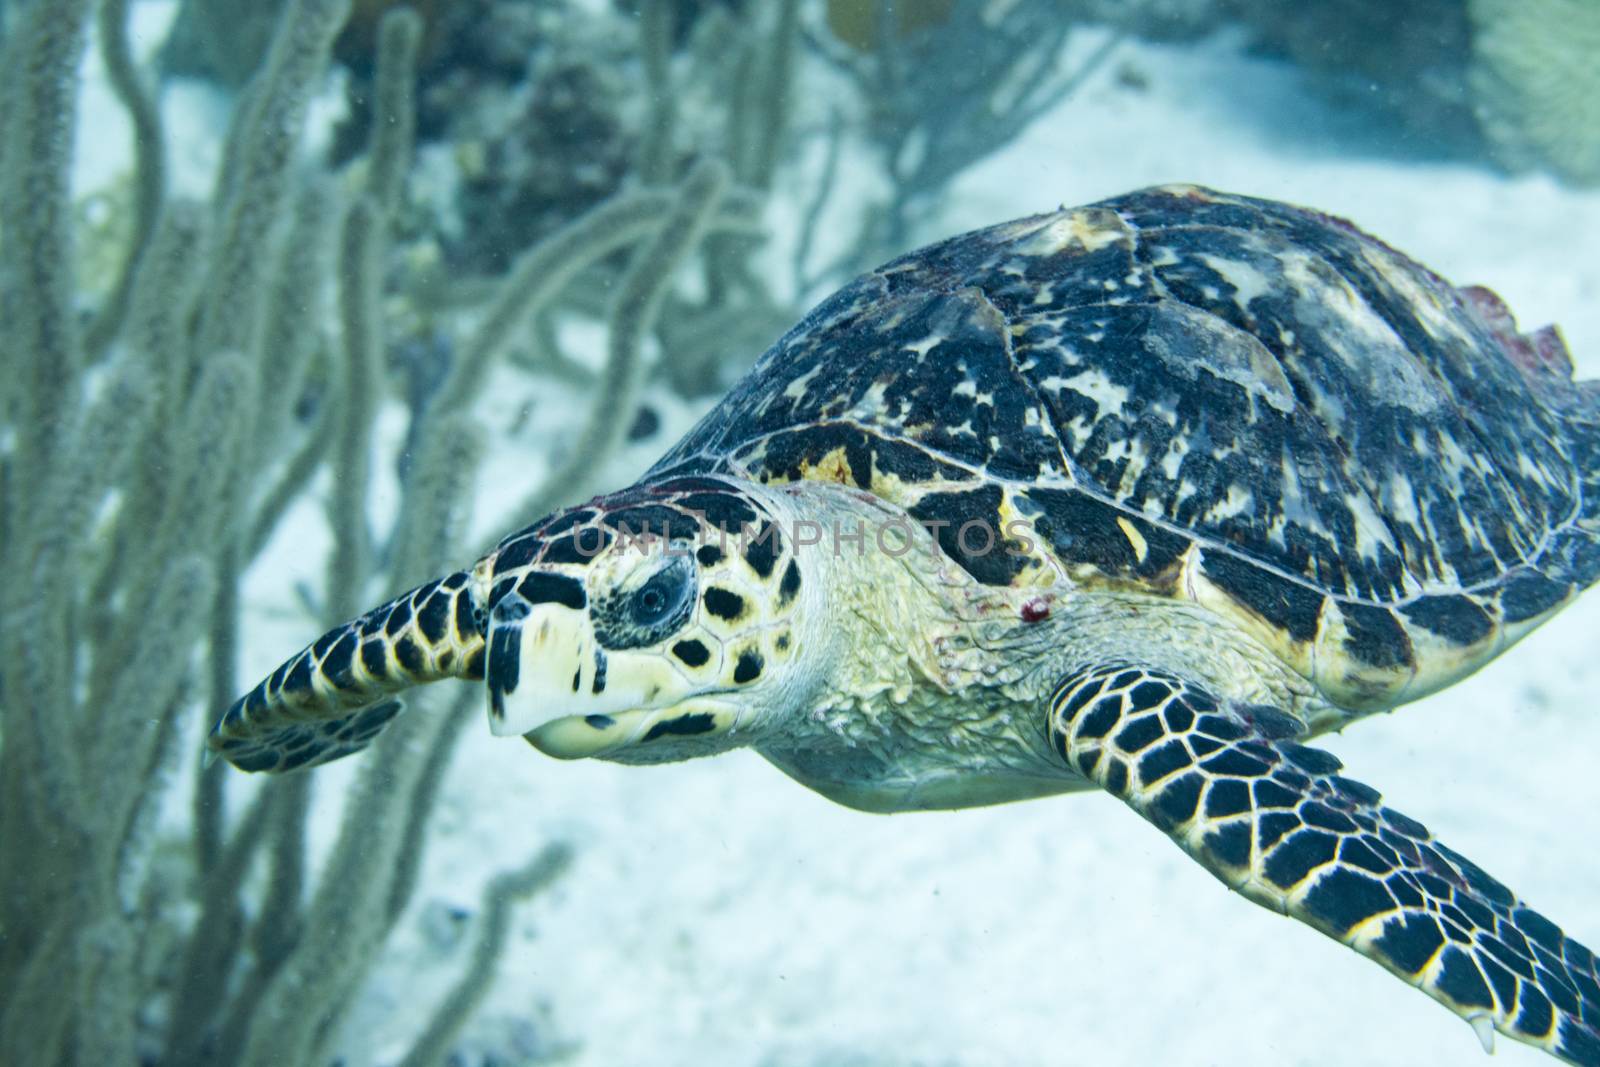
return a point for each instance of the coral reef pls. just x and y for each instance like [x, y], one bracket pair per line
[563, 151]
[942, 88]
[473, 61]
[1536, 83]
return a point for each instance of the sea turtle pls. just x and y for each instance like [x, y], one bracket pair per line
[1139, 496]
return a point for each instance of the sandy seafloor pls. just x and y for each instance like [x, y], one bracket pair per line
[717, 913]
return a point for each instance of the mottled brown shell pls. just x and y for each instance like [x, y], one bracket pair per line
[1191, 394]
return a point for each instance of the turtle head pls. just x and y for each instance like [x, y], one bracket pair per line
[658, 623]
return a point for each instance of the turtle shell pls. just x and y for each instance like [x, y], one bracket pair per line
[1188, 394]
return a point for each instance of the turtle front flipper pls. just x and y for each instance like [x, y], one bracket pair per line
[1275, 820]
[329, 700]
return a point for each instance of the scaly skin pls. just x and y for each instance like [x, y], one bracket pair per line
[1276, 821]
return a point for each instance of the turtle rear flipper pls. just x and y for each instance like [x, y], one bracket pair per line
[1275, 820]
[330, 699]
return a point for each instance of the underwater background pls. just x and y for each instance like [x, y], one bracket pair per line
[303, 301]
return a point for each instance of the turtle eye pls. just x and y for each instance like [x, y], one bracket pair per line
[650, 612]
[664, 596]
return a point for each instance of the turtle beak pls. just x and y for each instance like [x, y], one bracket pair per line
[544, 664]
[535, 664]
